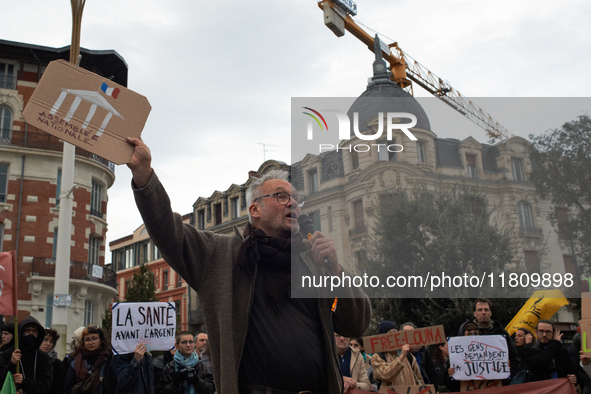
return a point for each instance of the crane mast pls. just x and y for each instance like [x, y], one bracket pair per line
[405, 70]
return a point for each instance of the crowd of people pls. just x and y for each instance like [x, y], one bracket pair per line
[92, 368]
[529, 359]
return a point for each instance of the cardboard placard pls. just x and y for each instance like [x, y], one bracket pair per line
[151, 323]
[473, 385]
[480, 357]
[586, 336]
[395, 340]
[410, 389]
[87, 110]
[586, 305]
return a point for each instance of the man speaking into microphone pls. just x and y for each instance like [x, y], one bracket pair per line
[244, 284]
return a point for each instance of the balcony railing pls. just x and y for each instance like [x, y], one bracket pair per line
[36, 139]
[7, 82]
[78, 270]
[357, 231]
[96, 213]
[531, 231]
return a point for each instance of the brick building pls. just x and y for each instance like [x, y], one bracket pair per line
[30, 174]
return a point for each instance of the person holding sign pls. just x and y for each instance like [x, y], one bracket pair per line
[244, 282]
[352, 366]
[396, 368]
[134, 371]
[186, 373]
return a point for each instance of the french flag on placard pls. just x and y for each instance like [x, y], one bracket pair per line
[113, 92]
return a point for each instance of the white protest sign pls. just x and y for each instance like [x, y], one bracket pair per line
[480, 357]
[151, 323]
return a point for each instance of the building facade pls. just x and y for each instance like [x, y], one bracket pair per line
[30, 177]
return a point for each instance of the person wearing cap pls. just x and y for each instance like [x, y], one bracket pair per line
[468, 328]
[398, 367]
[35, 368]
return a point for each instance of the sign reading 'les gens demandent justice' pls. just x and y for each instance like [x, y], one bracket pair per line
[395, 340]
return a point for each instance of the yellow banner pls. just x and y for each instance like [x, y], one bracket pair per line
[542, 305]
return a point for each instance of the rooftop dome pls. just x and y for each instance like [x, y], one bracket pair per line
[383, 95]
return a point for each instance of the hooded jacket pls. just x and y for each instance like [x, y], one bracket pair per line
[35, 365]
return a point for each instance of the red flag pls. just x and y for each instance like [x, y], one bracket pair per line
[8, 283]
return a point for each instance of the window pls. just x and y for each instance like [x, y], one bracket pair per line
[88, 313]
[217, 210]
[532, 261]
[569, 265]
[54, 251]
[471, 166]
[95, 200]
[562, 222]
[361, 257]
[235, 208]
[313, 181]
[165, 280]
[93, 250]
[1, 236]
[517, 169]
[201, 219]
[421, 152]
[5, 122]
[384, 154]
[144, 251]
[315, 217]
[179, 280]
[7, 76]
[242, 199]
[355, 159]
[58, 187]
[359, 217]
[48, 311]
[3, 181]
[129, 257]
[155, 252]
[525, 217]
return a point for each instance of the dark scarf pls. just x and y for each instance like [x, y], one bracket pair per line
[272, 256]
[95, 358]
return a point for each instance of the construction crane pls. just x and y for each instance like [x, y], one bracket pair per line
[405, 70]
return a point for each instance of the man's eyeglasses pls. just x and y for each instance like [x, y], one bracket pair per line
[283, 198]
[546, 332]
[187, 342]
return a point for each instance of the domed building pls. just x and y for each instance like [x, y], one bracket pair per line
[343, 185]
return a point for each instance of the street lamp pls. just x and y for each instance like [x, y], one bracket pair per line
[61, 285]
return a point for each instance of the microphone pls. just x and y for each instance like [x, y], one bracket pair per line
[307, 228]
[306, 225]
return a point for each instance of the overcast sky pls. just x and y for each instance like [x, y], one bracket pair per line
[220, 75]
